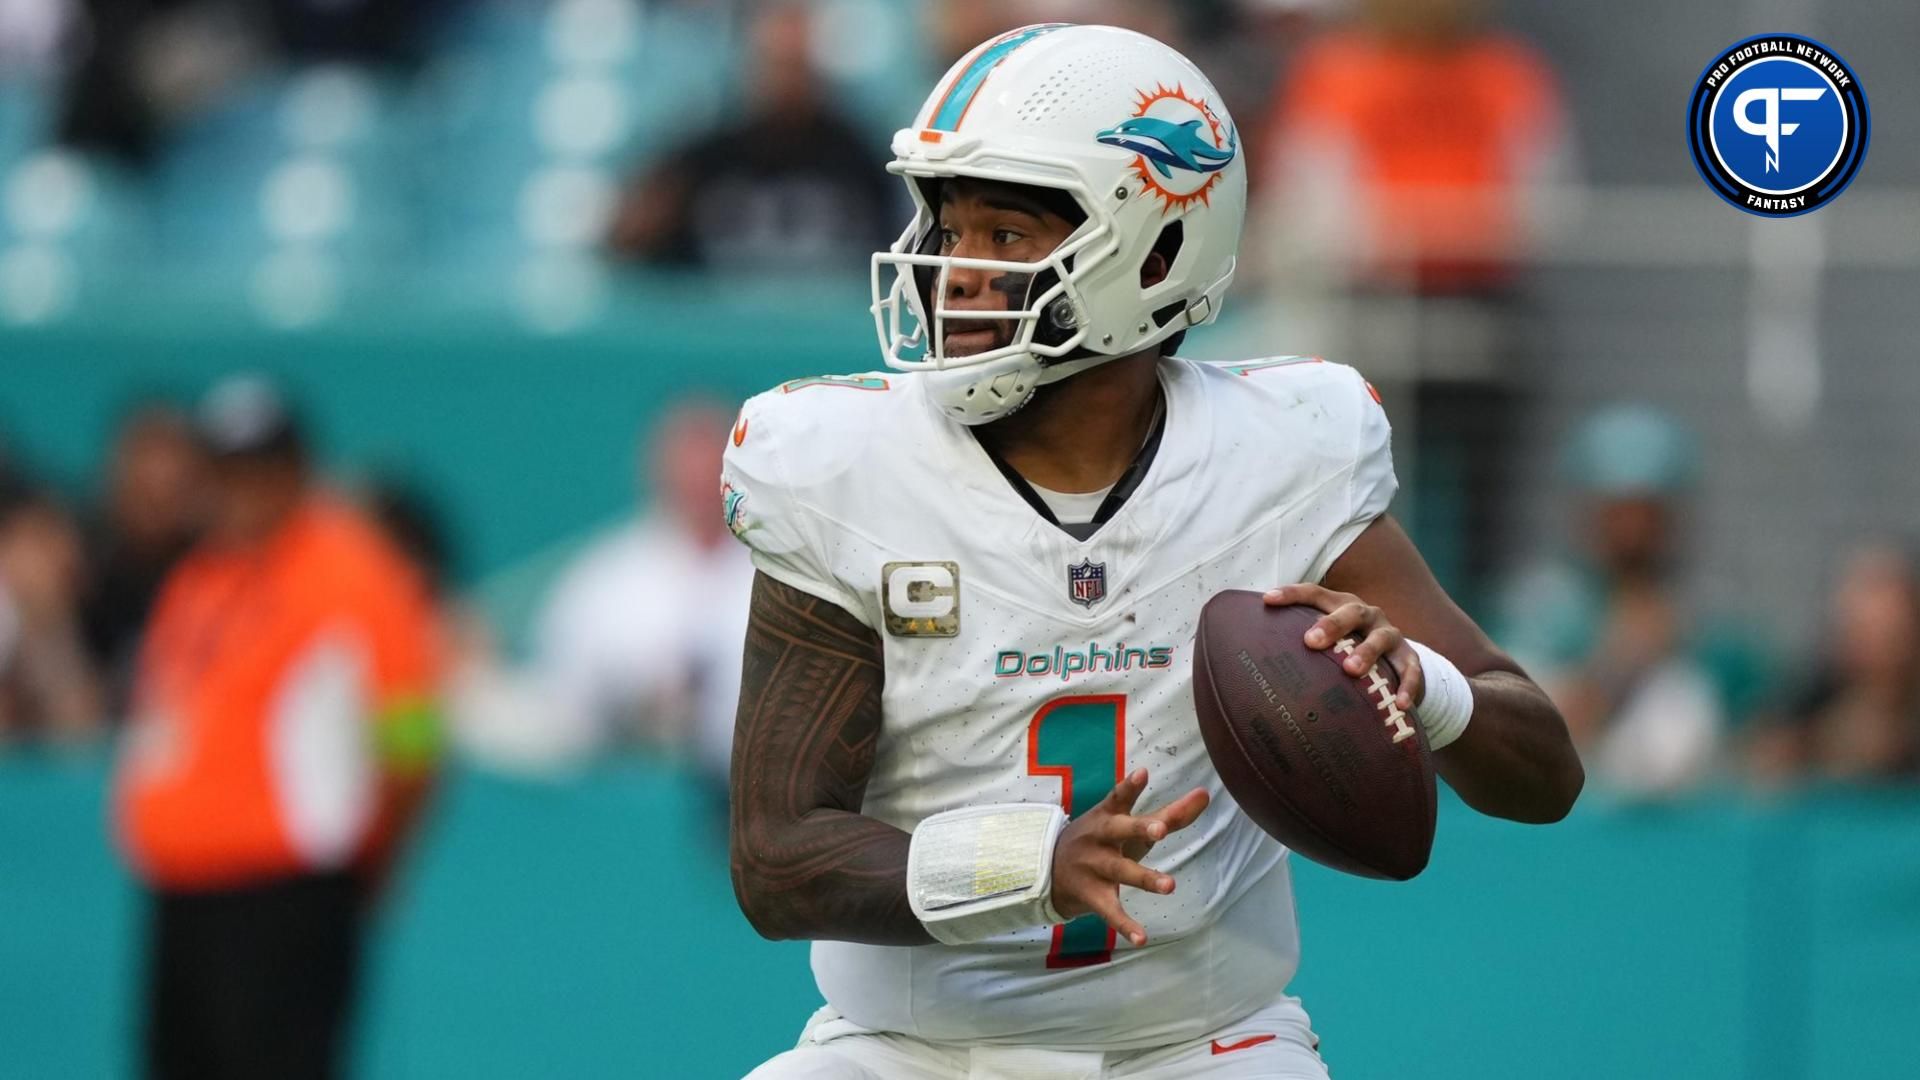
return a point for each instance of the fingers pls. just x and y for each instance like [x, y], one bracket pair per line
[1157, 826]
[1121, 870]
[1346, 616]
[1107, 905]
[1349, 616]
[1345, 612]
[1413, 679]
[1125, 829]
[1382, 640]
[1182, 811]
[1354, 619]
[1125, 793]
[1310, 595]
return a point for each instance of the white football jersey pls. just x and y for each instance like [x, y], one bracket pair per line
[1023, 665]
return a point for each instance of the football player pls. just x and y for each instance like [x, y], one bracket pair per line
[966, 763]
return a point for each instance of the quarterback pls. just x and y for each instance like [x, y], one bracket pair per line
[966, 764]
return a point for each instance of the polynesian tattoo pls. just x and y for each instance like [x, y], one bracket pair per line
[806, 863]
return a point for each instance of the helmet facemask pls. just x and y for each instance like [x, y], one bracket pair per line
[1048, 313]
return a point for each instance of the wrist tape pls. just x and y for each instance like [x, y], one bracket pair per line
[1447, 703]
[980, 871]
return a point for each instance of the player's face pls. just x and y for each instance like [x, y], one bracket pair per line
[991, 221]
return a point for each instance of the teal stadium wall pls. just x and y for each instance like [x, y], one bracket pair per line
[524, 438]
[587, 930]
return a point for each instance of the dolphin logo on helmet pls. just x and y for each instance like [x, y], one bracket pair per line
[1168, 145]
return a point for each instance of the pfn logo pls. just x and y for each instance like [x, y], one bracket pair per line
[1769, 127]
[1778, 125]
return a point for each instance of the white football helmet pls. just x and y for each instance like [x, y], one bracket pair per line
[1136, 135]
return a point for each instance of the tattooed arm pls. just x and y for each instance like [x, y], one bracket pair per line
[806, 863]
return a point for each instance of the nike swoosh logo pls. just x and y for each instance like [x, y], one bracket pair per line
[1251, 1040]
[740, 432]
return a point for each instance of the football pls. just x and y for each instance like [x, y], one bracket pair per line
[1322, 760]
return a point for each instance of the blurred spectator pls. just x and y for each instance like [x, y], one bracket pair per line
[149, 515]
[146, 63]
[1648, 686]
[791, 187]
[282, 746]
[376, 31]
[149, 63]
[48, 688]
[1247, 46]
[1859, 716]
[1417, 149]
[642, 635]
[1411, 160]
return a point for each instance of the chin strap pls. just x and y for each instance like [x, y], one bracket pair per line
[1070, 366]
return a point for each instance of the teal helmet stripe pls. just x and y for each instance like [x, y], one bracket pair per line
[960, 95]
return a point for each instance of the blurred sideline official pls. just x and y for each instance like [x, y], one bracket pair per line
[283, 739]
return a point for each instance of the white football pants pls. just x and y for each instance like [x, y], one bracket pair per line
[1275, 1043]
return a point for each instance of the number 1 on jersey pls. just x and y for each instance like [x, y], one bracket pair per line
[1083, 739]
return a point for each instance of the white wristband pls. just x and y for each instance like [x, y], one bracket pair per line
[1447, 703]
[980, 871]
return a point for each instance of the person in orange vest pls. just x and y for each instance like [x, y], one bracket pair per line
[283, 742]
[1418, 157]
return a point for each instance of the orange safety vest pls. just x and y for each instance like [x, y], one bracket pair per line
[1439, 140]
[251, 749]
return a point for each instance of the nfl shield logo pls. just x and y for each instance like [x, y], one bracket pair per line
[1087, 583]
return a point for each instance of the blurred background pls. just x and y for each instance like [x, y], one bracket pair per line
[513, 264]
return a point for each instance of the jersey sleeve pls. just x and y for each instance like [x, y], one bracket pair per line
[1369, 484]
[766, 511]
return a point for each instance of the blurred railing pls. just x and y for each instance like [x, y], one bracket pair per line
[1786, 345]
